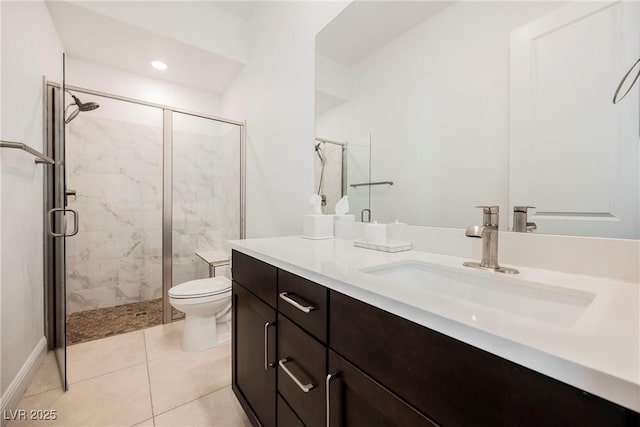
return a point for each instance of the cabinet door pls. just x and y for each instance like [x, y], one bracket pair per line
[454, 383]
[355, 400]
[286, 416]
[254, 353]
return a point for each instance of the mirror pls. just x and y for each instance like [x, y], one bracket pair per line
[488, 103]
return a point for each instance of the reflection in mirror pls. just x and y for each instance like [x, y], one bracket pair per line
[340, 169]
[329, 172]
[488, 103]
[359, 172]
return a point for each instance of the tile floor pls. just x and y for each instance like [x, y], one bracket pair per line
[99, 323]
[140, 379]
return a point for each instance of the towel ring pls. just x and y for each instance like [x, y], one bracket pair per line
[624, 79]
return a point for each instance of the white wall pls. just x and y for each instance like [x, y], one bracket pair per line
[435, 101]
[332, 77]
[30, 49]
[275, 93]
[201, 24]
[90, 75]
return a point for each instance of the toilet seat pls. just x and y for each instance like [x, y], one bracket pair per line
[201, 288]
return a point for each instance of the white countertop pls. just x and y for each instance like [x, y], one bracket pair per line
[599, 353]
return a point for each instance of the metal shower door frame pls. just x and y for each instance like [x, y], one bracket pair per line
[54, 243]
[167, 186]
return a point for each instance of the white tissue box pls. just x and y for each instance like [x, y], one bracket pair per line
[318, 227]
[375, 233]
[344, 226]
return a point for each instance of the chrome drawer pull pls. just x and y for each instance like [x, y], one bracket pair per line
[304, 308]
[304, 387]
[267, 365]
[330, 378]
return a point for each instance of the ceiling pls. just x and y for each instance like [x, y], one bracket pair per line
[364, 26]
[203, 43]
[240, 8]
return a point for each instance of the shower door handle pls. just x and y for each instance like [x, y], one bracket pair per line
[75, 222]
[51, 227]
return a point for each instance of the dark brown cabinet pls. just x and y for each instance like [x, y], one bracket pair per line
[258, 277]
[254, 338]
[355, 399]
[302, 351]
[454, 383]
[254, 334]
[286, 416]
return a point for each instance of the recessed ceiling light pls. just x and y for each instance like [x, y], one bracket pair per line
[159, 65]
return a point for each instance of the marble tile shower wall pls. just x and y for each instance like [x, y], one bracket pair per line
[206, 198]
[116, 169]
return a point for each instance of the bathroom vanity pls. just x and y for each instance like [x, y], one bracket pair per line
[321, 339]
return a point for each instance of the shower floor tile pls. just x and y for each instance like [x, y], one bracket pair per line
[91, 325]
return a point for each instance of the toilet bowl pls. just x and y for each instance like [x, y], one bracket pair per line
[205, 302]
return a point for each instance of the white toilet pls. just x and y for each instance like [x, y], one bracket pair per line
[205, 302]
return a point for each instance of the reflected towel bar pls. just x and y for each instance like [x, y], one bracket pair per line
[368, 184]
[41, 158]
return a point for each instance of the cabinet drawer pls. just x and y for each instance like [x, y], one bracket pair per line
[304, 302]
[257, 276]
[305, 359]
[456, 384]
[286, 416]
[357, 400]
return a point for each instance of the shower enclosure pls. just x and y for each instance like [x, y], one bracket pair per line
[341, 169]
[330, 169]
[137, 191]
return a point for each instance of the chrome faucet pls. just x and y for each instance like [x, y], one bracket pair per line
[520, 223]
[488, 232]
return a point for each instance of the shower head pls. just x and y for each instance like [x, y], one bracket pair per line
[320, 153]
[81, 106]
[85, 106]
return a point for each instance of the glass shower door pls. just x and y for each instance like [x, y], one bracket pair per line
[56, 225]
[114, 264]
[359, 177]
[205, 196]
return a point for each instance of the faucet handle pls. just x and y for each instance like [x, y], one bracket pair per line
[522, 208]
[489, 209]
[520, 223]
[489, 215]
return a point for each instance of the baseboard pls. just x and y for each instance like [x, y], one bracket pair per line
[11, 397]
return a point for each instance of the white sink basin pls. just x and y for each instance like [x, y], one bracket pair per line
[547, 303]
